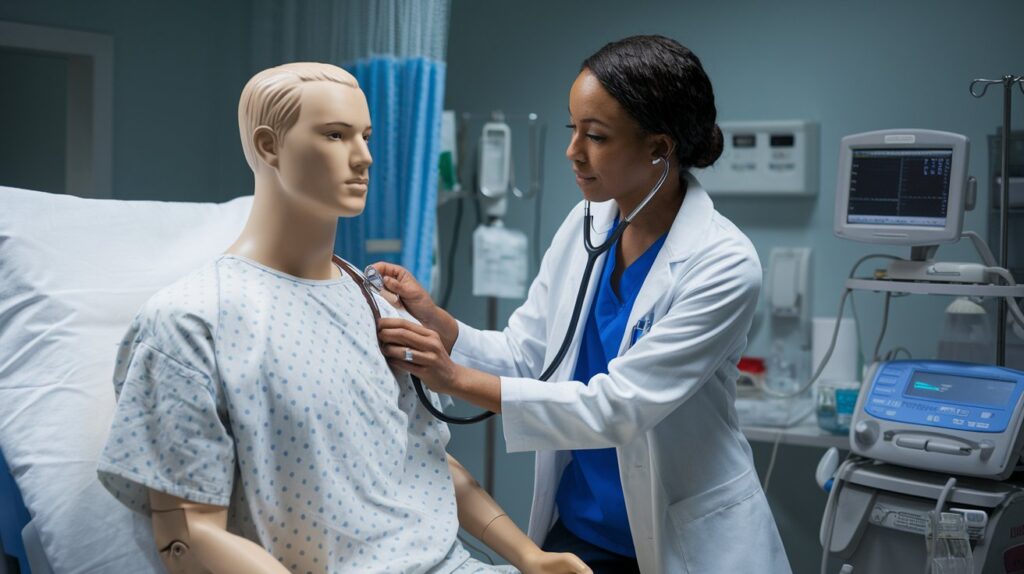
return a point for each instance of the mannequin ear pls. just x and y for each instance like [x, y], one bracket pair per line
[265, 143]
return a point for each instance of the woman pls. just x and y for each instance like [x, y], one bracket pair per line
[641, 465]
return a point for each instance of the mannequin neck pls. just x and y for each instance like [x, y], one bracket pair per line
[288, 232]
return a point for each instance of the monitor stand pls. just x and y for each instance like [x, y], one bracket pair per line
[922, 267]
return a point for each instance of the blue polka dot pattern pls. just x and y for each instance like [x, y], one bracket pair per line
[245, 387]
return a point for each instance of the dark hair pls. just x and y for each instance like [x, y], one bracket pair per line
[662, 85]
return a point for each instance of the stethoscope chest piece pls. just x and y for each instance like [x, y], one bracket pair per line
[373, 278]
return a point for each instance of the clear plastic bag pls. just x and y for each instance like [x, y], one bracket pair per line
[949, 546]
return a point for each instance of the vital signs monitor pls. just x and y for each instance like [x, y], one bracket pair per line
[901, 187]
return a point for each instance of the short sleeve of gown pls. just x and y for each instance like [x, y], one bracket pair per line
[169, 431]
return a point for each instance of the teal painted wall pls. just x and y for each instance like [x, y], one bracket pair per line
[35, 120]
[850, 66]
[178, 70]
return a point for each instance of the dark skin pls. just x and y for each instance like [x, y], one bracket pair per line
[612, 159]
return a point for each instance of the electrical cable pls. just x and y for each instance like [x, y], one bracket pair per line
[885, 325]
[449, 280]
[837, 486]
[536, 227]
[835, 335]
[933, 521]
[857, 325]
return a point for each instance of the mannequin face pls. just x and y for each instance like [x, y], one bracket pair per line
[610, 155]
[324, 159]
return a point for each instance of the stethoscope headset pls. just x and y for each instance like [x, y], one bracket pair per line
[370, 278]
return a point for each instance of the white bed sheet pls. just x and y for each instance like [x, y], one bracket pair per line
[73, 273]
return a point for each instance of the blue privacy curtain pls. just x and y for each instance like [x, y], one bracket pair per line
[395, 48]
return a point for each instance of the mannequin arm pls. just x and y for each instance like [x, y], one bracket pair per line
[193, 538]
[481, 516]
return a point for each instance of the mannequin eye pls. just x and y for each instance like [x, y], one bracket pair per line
[336, 136]
[596, 138]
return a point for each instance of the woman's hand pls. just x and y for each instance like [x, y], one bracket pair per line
[429, 357]
[553, 563]
[432, 364]
[415, 299]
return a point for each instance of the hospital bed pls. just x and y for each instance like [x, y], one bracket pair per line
[73, 272]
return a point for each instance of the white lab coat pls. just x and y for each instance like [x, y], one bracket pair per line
[693, 498]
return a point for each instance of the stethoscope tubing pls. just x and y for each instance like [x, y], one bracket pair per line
[593, 253]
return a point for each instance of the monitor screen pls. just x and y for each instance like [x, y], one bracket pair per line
[899, 187]
[958, 389]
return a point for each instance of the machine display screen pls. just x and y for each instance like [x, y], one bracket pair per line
[899, 187]
[960, 389]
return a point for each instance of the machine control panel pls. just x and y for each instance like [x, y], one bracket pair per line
[955, 396]
[943, 416]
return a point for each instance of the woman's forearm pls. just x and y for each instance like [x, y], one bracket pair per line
[477, 387]
[445, 325]
[448, 327]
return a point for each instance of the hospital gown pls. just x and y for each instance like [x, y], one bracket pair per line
[245, 387]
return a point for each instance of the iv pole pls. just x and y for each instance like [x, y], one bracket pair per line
[492, 214]
[1007, 81]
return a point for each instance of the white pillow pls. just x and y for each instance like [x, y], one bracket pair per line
[73, 273]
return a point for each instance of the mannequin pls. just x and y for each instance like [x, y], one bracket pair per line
[257, 422]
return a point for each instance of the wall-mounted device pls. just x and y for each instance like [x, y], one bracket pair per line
[765, 158]
[495, 159]
[788, 283]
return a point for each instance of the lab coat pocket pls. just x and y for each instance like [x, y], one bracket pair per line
[706, 525]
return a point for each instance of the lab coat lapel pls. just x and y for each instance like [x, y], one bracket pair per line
[604, 218]
[683, 237]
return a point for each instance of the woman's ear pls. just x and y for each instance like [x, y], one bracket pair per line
[264, 141]
[662, 147]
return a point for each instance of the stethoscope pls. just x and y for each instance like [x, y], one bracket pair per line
[373, 279]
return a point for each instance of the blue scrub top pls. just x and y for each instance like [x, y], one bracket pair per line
[590, 501]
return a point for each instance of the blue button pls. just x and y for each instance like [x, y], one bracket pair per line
[963, 412]
[884, 390]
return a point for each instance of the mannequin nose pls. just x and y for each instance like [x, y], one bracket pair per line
[361, 156]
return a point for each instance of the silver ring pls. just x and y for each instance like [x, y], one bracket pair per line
[408, 355]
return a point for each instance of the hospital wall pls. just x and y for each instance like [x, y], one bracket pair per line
[178, 69]
[850, 66]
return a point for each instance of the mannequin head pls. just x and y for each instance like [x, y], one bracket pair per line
[304, 128]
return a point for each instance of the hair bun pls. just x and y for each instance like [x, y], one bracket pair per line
[712, 149]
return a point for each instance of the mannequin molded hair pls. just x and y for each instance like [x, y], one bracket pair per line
[272, 98]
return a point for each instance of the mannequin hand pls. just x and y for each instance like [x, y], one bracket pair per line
[553, 563]
[430, 359]
[402, 284]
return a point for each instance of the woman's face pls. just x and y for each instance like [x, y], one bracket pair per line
[610, 155]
